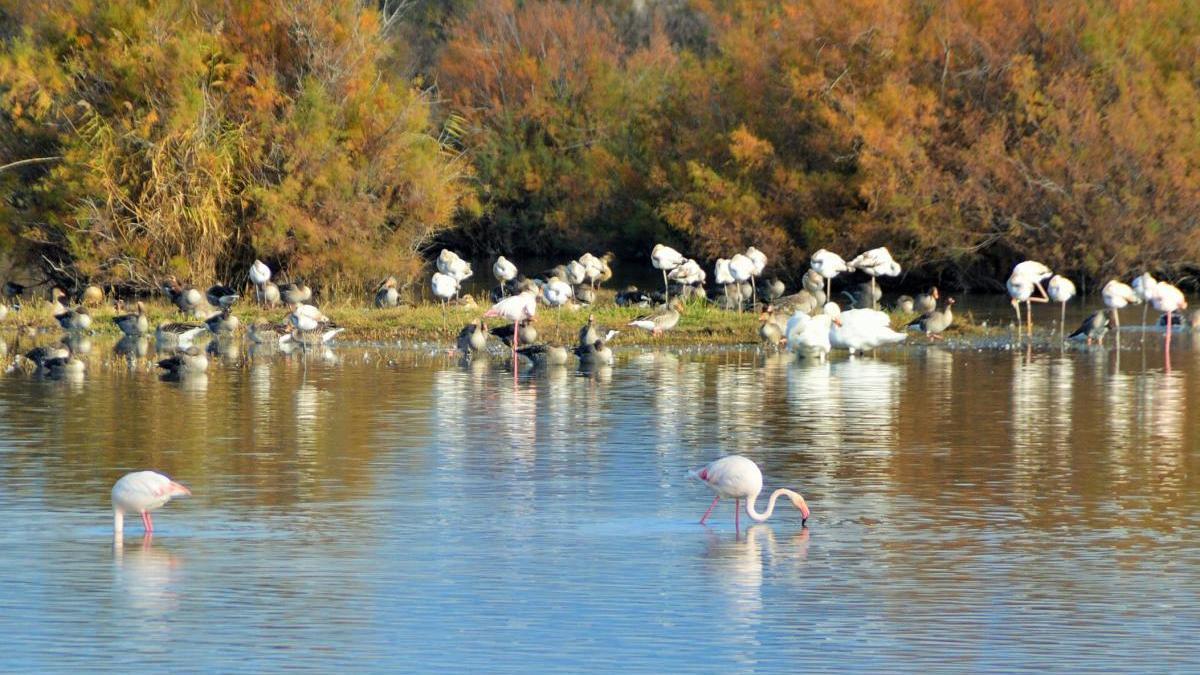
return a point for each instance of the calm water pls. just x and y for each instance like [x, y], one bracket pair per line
[973, 509]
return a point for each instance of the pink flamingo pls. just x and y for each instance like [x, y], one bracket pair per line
[142, 491]
[736, 477]
[1167, 298]
[516, 308]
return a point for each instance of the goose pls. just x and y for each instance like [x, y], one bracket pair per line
[588, 333]
[74, 320]
[1061, 290]
[905, 304]
[220, 295]
[925, 303]
[223, 322]
[1117, 295]
[527, 334]
[189, 361]
[269, 294]
[63, 365]
[1093, 328]
[135, 324]
[172, 334]
[92, 296]
[662, 319]
[770, 330]
[584, 294]
[804, 301]
[875, 263]
[264, 332]
[386, 294]
[320, 336]
[632, 296]
[860, 329]
[39, 356]
[865, 296]
[606, 272]
[814, 283]
[771, 289]
[1145, 286]
[295, 293]
[504, 271]
[809, 335]
[546, 355]
[666, 259]
[936, 322]
[828, 264]
[142, 492]
[57, 306]
[188, 299]
[596, 353]
[13, 292]
[472, 339]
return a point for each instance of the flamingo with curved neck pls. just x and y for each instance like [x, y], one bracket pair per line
[142, 492]
[736, 477]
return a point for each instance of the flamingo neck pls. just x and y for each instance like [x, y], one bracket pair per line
[757, 517]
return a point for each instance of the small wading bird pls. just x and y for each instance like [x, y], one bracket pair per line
[737, 478]
[142, 492]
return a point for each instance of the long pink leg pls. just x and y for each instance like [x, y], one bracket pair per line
[1168, 331]
[710, 508]
[147, 521]
[737, 517]
[516, 339]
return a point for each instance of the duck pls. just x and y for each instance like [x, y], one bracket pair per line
[662, 319]
[596, 353]
[220, 295]
[135, 324]
[75, 320]
[860, 329]
[936, 322]
[173, 334]
[472, 339]
[188, 361]
[223, 322]
[386, 294]
[546, 355]
[1095, 327]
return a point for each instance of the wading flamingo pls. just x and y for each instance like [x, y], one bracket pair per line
[828, 264]
[1116, 296]
[1169, 299]
[516, 308]
[1061, 290]
[142, 492]
[666, 259]
[736, 477]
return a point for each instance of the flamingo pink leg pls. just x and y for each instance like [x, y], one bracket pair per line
[516, 339]
[1168, 331]
[737, 517]
[147, 521]
[710, 508]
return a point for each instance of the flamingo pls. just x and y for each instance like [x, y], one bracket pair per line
[1144, 286]
[874, 263]
[723, 276]
[504, 271]
[516, 308]
[742, 269]
[666, 259]
[1117, 295]
[760, 263]
[557, 292]
[445, 287]
[1061, 290]
[593, 268]
[1025, 278]
[828, 264]
[1167, 298]
[736, 477]
[260, 274]
[142, 491]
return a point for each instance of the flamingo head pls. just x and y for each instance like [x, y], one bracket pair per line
[178, 490]
[802, 506]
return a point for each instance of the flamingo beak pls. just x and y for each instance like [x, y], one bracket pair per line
[180, 490]
[837, 321]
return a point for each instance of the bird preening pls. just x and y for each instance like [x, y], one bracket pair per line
[142, 492]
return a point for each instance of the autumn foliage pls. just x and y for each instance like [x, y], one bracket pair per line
[339, 139]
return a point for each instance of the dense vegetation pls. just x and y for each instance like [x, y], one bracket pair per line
[340, 139]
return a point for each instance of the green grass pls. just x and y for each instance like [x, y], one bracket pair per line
[700, 324]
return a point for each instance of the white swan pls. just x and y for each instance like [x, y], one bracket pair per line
[860, 329]
[809, 335]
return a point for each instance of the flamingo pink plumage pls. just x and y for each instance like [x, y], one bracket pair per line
[736, 477]
[516, 308]
[142, 491]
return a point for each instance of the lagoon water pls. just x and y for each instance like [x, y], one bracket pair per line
[392, 509]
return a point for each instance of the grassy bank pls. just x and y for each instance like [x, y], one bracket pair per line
[700, 324]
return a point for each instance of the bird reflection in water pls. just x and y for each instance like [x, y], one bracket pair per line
[737, 564]
[147, 576]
